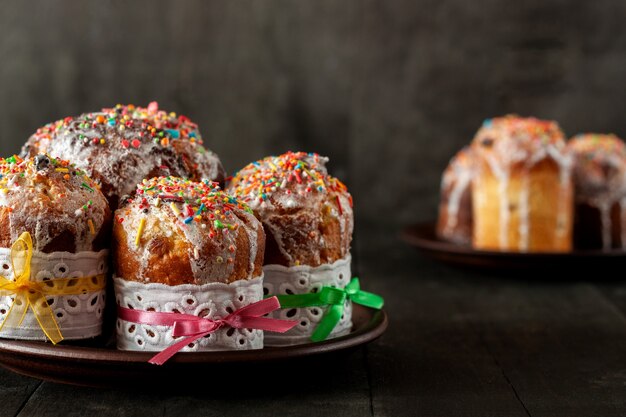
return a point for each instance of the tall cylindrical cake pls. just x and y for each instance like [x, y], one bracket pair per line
[522, 191]
[308, 219]
[54, 239]
[188, 248]
[600, 184]
[455, 207]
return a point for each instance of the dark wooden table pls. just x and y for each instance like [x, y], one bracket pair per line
[459, 343]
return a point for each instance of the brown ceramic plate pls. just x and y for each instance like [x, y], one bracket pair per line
[102, 366]
[423, 237]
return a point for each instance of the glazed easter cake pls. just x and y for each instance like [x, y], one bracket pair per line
[600, 181]
[308, 220]
[54, 229]
[185, 250]
[522, 187]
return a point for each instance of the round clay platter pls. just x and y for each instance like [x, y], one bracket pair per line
[99, 364]
[422, 236]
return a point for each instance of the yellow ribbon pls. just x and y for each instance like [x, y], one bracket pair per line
[26, 293]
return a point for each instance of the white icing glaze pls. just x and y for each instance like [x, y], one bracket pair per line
[455, 200]
[197, 237]
[275, 224]
[605, 219]
[565, 162]
[46, 204]
[120, 147]
[301, 280]
[78, 316]
[455, 182]
[214, 300]
[563, 216]
[120, 167]
[294, 189]
[524, 213]
[161, 220]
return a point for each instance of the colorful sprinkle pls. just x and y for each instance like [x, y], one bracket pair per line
[175, 209]
[174, 133]
[142, 225]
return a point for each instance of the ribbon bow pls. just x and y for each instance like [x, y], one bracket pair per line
[335, 299]
[32, 294]
[194, 327]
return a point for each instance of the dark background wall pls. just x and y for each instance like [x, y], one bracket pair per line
[389, 90]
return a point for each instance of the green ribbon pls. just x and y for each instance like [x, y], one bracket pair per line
[335, 299]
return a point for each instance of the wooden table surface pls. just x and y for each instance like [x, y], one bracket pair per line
[459, 343]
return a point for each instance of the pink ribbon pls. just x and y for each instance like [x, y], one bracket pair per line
[193, 327]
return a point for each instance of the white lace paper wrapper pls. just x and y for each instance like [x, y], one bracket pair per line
[213, 300]
[280, 280]
[78, 316]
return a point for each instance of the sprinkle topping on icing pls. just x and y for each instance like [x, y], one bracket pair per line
[600, 167]
[48, 196]
[292, 174]
[98, 129]
[175, 126]
[122, 145]
[596, 145]
[516, 139]
[16, 173]
[138, 125]
[190, 203]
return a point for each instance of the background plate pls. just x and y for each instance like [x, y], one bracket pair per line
[422, 236]
[92, 365]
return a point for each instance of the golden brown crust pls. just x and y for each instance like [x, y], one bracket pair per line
[193, 234]
[538, 212]
[168, 259]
